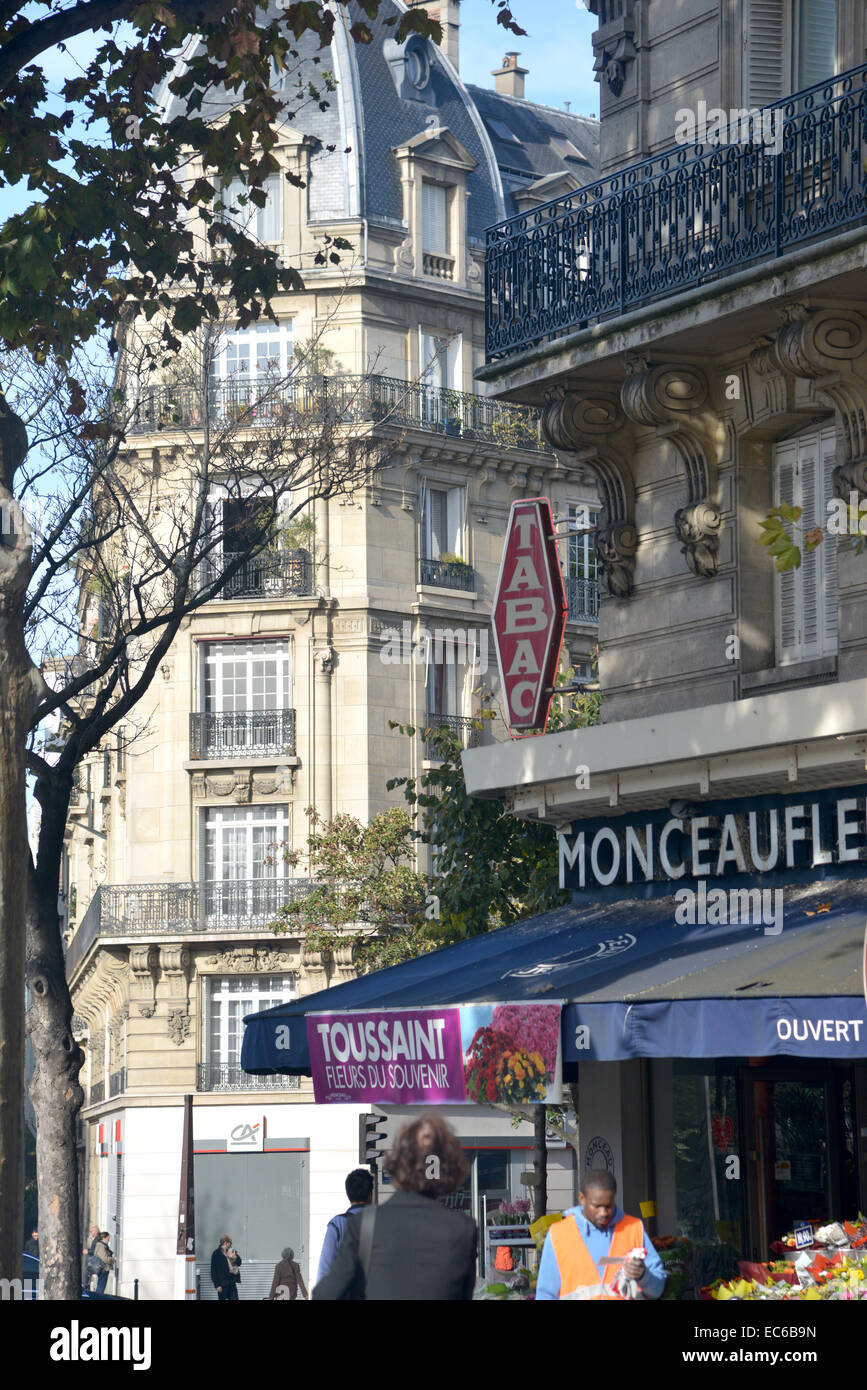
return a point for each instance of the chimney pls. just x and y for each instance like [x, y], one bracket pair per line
[446, 11]
[509, 79]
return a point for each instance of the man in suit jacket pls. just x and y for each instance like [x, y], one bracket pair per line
[420, 1250]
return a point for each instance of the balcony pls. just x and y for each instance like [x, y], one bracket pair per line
[466, 729]
[348, 399]
[688, 216]
[244, 734]
[444, 574]
[117, 1082]
[582, 599]
[170, 909]
[223, 1076]
[270, 574]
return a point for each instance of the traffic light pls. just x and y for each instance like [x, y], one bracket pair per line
[371, 1133]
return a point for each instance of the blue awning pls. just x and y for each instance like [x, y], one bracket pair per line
[638, 983]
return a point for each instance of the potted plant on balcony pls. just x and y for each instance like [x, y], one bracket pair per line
[453, 419]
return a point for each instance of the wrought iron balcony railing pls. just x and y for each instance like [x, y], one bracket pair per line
[117, 1082]
[260, 402]
[466, 729]
[169, 909]
[270, 574]
[684, 217]
[582, 599]
[266, 733]
[228, 1076]
[97, 1093]
[446, 574]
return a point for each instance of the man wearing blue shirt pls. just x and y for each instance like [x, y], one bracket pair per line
[359, 1190]
[594, 1230]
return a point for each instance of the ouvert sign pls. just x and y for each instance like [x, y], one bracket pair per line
[529, 614]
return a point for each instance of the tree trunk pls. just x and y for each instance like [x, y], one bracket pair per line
[55, 1092]
[15, 705]
[17, 697]
[540, 1162]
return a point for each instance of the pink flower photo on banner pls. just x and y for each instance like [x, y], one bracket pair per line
[532, 1028]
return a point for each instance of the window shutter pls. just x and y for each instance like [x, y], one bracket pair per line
[455, 521]
[828, 548]
[788, 584]
[817, 41]
[434, 231]
[766, 76]
[809, 478]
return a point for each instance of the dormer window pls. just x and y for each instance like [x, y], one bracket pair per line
[265, 223]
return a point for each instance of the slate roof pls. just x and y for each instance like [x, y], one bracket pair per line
[366, 119]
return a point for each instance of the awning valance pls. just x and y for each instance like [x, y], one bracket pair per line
[637, 982]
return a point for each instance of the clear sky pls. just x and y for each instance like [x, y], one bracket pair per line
[557, 50]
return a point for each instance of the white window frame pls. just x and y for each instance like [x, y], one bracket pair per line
[435, 218]
[815, 581]
[257, 992]
[580, 550]
[214, 657]
[440, 359]
[267, 348]
[222, 820]
[456, 511]
[264, 224]
[780, 20]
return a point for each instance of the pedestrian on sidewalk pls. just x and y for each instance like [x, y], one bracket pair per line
[410, 1248]
[102, 1251]
[287, 1279]
[359, 1190]
[226, 1271]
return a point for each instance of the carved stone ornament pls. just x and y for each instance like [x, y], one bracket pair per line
[672, 397]
[825, 346]
[324, 657]
[403, 257]
[584, 428]
[178, 1025]
[147, 1010]
[143, 965]
[248, 960]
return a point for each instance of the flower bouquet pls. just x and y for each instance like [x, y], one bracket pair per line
[496, 1070]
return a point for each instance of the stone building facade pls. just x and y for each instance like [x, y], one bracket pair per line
[277, 695]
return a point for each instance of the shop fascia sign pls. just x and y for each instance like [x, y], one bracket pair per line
[528, 616]
[720, 839]
[246, 1135]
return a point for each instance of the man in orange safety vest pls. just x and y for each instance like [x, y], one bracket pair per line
[597, 1229]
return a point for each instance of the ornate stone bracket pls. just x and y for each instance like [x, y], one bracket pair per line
[673, 399]
[175, 965]
[824, 346]
[143, 963]
[583, 428]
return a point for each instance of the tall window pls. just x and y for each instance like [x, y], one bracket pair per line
[241, 676]
[807, 597]
[266, 223]
[259, 353]
[581, 552]
[434, 218]
[444, 685]
[229, 999]
[442, 522]
[788, 45]
[239, 842]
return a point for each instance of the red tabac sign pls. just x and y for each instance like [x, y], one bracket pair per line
[529, 614]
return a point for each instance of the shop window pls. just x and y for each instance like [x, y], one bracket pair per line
[806, 597]
[706, 1131]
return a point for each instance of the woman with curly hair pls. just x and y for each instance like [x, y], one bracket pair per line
[411, 1247]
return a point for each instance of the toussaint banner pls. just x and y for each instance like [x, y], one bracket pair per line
[508, 1053]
